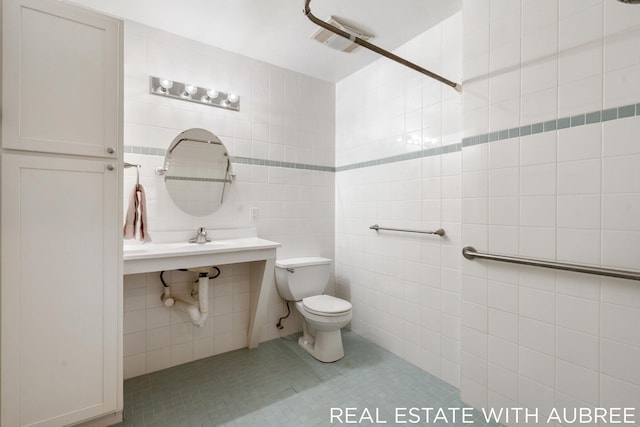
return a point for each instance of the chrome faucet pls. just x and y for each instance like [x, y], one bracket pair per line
[201, 236]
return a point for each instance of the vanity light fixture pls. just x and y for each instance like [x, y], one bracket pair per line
[193, 93]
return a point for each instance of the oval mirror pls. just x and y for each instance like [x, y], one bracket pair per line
[197, 172]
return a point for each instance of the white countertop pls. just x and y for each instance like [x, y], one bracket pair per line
[149, 257]
[164, 250]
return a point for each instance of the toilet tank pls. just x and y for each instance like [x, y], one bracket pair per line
[298, 278]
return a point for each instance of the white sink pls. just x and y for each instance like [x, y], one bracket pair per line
[162, 250]
[150, 257]
[260, 253]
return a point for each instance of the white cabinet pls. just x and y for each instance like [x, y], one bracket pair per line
[61, 66]
[59, 290]
[60, 216]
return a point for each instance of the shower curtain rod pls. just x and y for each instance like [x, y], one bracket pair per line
[376, 49]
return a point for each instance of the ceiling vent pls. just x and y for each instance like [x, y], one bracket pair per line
[337, 42]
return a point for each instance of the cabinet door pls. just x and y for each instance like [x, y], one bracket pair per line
[61, 74]
[61, 276]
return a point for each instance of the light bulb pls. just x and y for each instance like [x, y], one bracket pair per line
[232, 97]
[210, 96]
[165, 85]
[189, 89]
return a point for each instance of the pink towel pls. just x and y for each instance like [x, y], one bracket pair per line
[136, 218]
[130, 219]
[142, 218]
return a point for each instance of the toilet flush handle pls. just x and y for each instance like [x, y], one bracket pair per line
[291, 270]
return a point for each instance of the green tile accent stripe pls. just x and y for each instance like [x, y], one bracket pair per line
[594, 117]
[435, 151]
[552, 125]
[626, 111]
[563, 123]
[610, 114]
[194, 178]
[148, 151]
[134, 149]
[280, 164]
[530, 129]
[577, 120]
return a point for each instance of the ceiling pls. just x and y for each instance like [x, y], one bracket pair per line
[276, 31]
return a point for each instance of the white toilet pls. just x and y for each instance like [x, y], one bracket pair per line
[303, 280]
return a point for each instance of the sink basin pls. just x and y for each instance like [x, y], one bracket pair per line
[175, 246]
[162, 250]
[196, 246]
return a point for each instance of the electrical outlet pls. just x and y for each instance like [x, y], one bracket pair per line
[255, 213]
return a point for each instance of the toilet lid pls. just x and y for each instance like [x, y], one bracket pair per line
[325, 304]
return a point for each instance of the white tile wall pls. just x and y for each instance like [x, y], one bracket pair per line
[555, 339]
[406, 289]
[284, 116]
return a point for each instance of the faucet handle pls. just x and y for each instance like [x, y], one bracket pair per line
[201, 236]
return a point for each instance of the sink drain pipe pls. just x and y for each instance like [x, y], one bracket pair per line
[197, 314]
[166, 295]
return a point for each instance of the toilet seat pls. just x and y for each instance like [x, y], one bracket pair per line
[326, 305]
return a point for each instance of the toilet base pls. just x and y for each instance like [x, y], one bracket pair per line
[326, 346]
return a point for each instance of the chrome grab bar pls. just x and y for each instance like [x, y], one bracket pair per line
[439, 232]
[469, 252]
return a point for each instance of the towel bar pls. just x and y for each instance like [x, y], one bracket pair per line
[131, 165]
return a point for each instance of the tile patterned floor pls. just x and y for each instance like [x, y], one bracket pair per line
[279, 385]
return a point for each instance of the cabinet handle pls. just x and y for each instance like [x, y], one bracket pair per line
[111, 167]
[111, 150]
